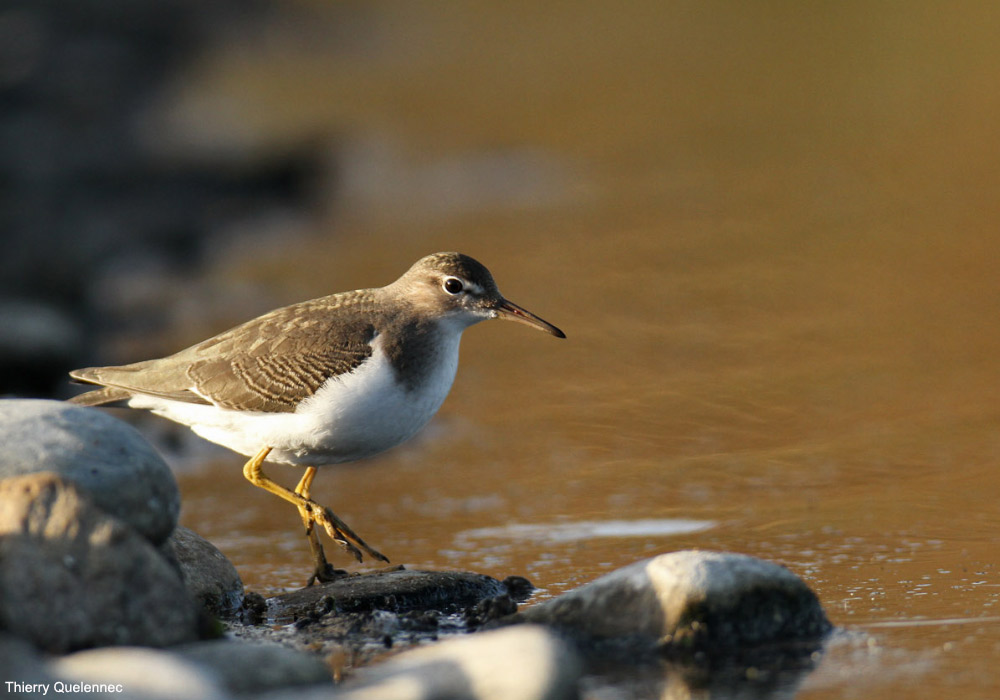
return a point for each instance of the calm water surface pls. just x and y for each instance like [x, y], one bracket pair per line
[771, 236]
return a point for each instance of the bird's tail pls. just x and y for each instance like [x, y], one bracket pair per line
[100, 397]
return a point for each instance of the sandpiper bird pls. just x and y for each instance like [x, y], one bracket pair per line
[326, 381]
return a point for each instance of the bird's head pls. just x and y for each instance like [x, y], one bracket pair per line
[461, 289]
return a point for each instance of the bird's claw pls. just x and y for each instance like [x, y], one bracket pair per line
[340, 533]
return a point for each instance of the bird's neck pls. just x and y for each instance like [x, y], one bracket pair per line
[422, 351]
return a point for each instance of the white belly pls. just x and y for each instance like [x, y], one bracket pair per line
[353, 416]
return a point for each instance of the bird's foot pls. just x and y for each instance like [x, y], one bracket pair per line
[343, 535]
[311, 513]
[325, 574]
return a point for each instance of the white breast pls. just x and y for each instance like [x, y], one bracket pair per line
[352, 416]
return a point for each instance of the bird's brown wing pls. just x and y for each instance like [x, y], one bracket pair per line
[276, 381]
[268, 364]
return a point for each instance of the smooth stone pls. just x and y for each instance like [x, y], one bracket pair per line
[142, 673]
[21, 663]
[74, 577]
[688, 601]
[209, 576]
[525, 662]
[256, 666]
[106, 457]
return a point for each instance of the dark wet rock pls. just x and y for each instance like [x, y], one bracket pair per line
[686, 602]
[143, 673]
[245, 667]
[394, 590]
[253, 610]
[366, 635]
[526, 662]
[209, 576]
[360, 616]
[109, 459]
[518, 588]
[489, 610]
[73, 577]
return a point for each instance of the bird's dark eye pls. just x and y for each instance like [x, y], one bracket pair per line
[453, 285]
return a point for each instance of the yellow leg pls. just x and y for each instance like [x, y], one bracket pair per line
[323, 571]
[305, 483]
[315, 548]
[311, 514]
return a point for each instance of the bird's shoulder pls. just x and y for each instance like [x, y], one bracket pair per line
[339, 319]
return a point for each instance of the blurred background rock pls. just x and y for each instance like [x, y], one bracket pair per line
[103, 223]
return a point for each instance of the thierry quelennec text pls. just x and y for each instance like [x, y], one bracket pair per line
[63, 687]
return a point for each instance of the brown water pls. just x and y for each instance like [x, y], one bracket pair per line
[770, 231]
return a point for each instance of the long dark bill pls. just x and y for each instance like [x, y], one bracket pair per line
[510, 311]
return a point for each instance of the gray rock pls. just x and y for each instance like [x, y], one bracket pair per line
[20, 663]
[209, 576]
[72, 576]
[689, 601]
[245, 667]
[142, 673]
[526, 662]
[109, 459]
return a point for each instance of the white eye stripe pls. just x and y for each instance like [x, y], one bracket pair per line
[457, 285]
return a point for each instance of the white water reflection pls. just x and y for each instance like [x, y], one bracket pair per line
[588, 529]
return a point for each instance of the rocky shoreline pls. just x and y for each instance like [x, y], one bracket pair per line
[102, 592]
